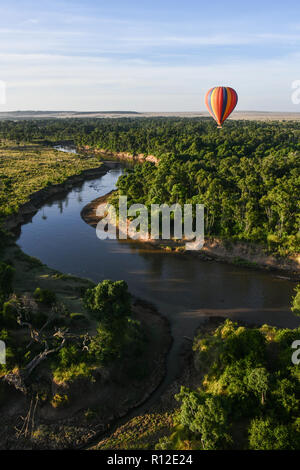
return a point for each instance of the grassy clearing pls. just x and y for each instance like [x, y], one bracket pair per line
[141, 432]
[30, 273]
[25, 169]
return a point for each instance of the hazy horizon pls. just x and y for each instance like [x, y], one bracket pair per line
[133, 111]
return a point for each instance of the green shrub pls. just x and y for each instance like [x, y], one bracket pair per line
[109, 301]
[72, 373]
[245, 343]
[296, 301]
[44, 296]
[265, 434]
[104, 347]
[78, 317]
[59, 401]
[206, 416]
[9, 314]
[6, 281]
[69, 355]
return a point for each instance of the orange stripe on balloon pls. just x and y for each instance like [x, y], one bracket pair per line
[213, 102]
[233, 101]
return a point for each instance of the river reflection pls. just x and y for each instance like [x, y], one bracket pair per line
[182, 287]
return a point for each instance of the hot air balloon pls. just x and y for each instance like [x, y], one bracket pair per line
[220, 102]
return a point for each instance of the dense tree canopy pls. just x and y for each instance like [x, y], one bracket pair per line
[249, 397]
[247, 174]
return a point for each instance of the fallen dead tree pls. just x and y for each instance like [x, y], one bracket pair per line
[52, 342]
[23, 306]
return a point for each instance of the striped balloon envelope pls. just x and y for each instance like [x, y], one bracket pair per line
[220, 102]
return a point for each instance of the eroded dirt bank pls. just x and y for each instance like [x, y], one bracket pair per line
[141, 157]
[242, 253]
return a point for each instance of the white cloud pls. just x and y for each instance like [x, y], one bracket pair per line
[93, 84]
[31, 21]
[115, 63]
[35, 32]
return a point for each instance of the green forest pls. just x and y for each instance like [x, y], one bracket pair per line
[249, 397]
[247, 174]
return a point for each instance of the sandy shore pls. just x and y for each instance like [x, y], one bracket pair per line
[241, 253]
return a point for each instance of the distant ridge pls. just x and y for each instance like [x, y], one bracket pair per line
[236, 115]
[37, 113]
[29, 111]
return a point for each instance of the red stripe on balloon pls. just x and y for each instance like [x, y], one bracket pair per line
[220, 104]
[214, 103]
[233, 97]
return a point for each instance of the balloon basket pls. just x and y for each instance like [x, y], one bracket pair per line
[219, 127]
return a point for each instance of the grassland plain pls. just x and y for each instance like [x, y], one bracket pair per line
[26, 168]
[29, 173]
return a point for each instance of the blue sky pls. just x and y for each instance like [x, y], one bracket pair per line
[148, 55]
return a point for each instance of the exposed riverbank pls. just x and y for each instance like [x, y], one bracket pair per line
[141, 157]
[236, 252]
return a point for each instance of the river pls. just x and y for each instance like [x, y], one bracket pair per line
[183, 288]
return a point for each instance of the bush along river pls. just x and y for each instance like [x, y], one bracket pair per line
[185, 289]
